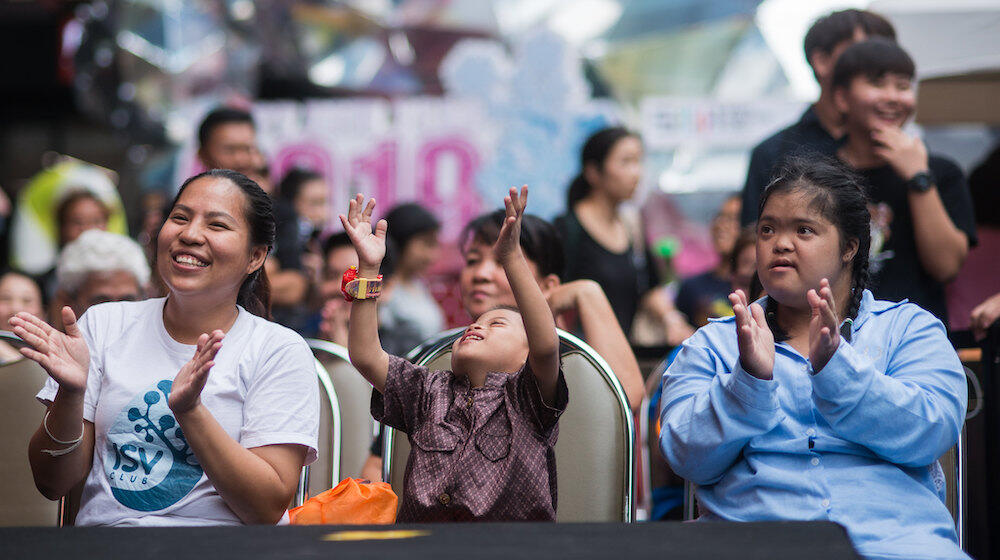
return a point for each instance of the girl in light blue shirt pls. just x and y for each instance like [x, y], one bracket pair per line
[818, 402]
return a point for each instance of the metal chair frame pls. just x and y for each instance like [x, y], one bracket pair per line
[644, 507]
[62, 512]
[568, 344]
[302, 491]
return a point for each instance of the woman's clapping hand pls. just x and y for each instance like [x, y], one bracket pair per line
[185, 394]
[64, 356]
[824, 327]
[754, 337]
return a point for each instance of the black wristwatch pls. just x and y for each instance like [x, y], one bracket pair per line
[921, 182]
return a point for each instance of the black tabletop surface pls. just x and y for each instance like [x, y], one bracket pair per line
[501, 541]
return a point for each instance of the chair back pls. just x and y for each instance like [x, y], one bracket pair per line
[595, 451]
[953, 466]
[20, 414]
[644, 464]
[352, 434]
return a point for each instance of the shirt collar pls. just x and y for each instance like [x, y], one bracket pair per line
[871, 306]
[493, 379]
[809, 117]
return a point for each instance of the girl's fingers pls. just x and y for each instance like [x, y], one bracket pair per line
[813, 300]
[381, 228]
[734, 300]
[369, 208]
[758, 315]
[743, 297]
[827, 294]
[824, 336]
[829, 315]
[742, 319]
[739, 309]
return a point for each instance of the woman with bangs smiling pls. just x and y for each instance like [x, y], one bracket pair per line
[192, 409]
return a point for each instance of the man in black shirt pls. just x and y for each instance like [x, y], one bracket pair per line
[819, 129]
[922, 213]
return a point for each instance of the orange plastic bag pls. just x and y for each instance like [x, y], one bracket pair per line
[354, 501]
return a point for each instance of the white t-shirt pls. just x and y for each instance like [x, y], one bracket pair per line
[262, 390]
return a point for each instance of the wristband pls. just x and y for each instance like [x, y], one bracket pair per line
[359, 288]
[73, 443]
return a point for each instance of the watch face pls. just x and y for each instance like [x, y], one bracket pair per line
[921, 182]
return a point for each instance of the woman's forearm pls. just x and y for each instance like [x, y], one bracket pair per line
[56, 475]
[256, 486]
[604, 335]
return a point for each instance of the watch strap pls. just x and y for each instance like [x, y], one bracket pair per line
[921, 182]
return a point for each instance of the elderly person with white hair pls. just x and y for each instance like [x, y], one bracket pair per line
[99, 267]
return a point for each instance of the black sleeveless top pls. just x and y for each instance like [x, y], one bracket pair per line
[625, 277]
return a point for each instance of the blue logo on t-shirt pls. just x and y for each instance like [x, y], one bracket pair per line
[149, 463]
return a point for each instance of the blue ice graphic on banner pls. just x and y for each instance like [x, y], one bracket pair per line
[149, 464]
[542, 105]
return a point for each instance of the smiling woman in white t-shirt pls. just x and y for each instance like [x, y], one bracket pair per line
[190, 409]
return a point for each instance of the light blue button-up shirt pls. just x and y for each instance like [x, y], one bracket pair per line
[856, 443]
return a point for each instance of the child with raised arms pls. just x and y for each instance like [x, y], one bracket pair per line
[481, 435]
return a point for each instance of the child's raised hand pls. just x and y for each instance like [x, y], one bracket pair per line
[824, 327]
[508, 242]
[754, 337]
[369, 244]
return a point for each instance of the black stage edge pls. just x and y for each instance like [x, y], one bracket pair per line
[500, 541]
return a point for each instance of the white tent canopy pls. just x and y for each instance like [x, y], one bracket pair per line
[956, 46]
[947, 38]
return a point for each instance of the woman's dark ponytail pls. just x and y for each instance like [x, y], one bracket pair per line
[595, 152]
[255, 291]
[578, 190]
